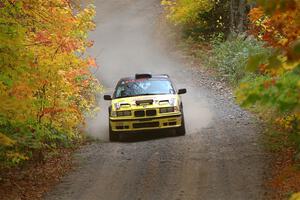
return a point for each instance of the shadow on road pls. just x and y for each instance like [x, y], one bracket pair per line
[146, 135]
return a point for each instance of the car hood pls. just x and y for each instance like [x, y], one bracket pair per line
[146, 101]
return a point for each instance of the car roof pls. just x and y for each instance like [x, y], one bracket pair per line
[147, 76]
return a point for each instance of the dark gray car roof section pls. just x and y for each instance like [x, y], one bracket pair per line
[155, 76]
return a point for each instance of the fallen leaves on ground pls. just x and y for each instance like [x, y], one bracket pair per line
[285, 179]
[36, 178]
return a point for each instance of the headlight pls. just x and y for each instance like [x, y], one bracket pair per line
[123, 113]
[167, 110]
[172, 101]
[117, 106]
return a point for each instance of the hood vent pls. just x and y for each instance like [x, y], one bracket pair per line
[164, 102]
[124, 105]
[143, 102]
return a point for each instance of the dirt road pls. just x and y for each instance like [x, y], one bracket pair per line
[220, 157]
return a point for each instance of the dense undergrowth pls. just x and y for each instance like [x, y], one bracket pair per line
[229, 57]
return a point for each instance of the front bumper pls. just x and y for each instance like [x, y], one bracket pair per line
[151, 123]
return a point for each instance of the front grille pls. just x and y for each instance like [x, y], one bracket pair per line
[151, 112]
[143, 113]
[122, 127]
[172, 123]
[146, 125]
[139, 113]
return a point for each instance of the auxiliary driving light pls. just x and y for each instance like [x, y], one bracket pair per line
[167, 110]
[123, 113]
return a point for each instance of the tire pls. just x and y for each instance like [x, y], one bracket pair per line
[113, 136]
[180, 131]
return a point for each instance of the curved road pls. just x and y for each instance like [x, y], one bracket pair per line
[220, 157]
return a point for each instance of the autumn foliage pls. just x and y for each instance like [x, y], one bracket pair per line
[187, 11]
[278, 84]
[46, 88]
[281, 29]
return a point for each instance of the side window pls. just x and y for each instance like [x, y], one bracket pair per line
[119, 90]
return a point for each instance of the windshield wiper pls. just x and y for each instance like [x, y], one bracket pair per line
[135, 95]
[147, 94]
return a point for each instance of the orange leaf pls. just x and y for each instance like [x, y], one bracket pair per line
[92, 62]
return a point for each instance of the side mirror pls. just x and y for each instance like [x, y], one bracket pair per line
[181, 91]
[107, 97]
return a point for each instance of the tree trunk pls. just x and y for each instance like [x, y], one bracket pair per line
[242, 21]
[238, 15]
[232, 16]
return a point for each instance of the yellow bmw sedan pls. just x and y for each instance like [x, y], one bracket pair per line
[145, 102]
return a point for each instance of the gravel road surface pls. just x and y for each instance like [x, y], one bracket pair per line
[220, 158]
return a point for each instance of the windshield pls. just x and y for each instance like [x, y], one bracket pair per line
[129, 88]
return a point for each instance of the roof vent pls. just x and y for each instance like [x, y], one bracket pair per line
[142, 76]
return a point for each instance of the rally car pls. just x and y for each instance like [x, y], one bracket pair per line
[145, 102]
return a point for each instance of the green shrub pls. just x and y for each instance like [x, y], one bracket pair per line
[230, 57]
[29, 138]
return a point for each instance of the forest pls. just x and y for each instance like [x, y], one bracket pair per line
[47, 89]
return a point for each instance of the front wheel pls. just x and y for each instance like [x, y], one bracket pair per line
[113, 136]
[181, 130]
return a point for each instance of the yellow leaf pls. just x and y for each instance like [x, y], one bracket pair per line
[290, 66]
[283, 41]
[295, 196]
[6, 141]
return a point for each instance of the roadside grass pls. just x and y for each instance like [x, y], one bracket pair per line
[226, 57]
[229, 57]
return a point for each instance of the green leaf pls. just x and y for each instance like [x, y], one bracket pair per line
[6, 80]
[274, 62]
[254, 61]
[297, 47]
